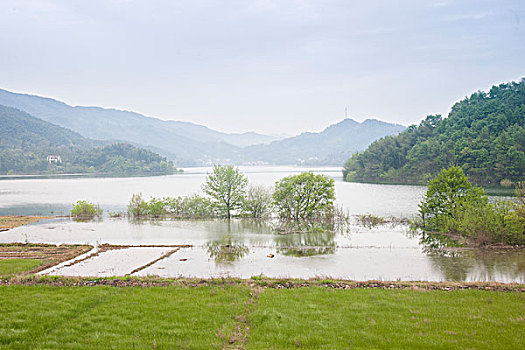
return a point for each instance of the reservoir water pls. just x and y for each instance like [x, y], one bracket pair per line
[242, 248]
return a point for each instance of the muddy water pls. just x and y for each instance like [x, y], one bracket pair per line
[243, 248]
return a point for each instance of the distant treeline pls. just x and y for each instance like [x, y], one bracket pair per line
[484, 134]
[116, 159]
[26, 142]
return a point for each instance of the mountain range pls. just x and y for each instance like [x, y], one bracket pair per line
[189, 144]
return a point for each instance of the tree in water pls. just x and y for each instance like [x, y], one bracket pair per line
[448, 195]
[227, 188]
[304, 196]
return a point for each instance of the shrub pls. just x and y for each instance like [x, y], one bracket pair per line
[137, 206]
[193, 206]
[85, 209]
[506, 183]
[156, 207]
[258, 202]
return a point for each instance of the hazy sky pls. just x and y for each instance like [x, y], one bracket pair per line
[269, 66]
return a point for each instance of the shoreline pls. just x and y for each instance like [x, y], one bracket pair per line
[262, 282]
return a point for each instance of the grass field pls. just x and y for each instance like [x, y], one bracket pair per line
[321, 318]
[239, 316]
[44, 317]
[10, 267]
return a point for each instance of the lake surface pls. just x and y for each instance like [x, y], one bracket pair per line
[244, 248]
[56, 195]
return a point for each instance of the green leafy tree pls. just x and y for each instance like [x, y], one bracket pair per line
[304, 196]
[448, 195]
[227, 188]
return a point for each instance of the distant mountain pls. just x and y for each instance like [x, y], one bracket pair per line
[26, 142]
[329, 147]
[483, 133]
[188, 143]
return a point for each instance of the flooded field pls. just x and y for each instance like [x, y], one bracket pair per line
[243, 248]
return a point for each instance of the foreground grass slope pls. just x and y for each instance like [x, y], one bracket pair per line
[320, 318]
[210, 316]
[44, 317]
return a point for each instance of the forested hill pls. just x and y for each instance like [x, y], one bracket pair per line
[484, 134]
[26, 142]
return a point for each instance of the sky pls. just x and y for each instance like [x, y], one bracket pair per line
[277, 67]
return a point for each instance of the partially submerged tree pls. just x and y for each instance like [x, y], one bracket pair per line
[258, 202]
[227, 187]
[304, 196]
[453, 205]
[448, 195]
[137, 206]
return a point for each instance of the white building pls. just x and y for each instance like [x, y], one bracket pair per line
[54, 159]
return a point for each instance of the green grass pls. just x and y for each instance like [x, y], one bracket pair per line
[320, 318]
[10, 267]
[48, 317]
[44, 317]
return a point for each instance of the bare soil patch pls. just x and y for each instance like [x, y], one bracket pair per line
[9, 222]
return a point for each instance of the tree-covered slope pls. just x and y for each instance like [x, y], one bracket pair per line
[21, 130]
[26, 141]
[484, 134]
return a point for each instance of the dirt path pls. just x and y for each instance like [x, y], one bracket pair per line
[164, 256]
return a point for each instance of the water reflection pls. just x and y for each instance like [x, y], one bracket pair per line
[306, 244]
[459, 263]
[81, 219]
[238, 226]
[479, 265]
[226, 250]
[430, 241]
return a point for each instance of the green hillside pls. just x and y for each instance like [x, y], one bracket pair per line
[26, 142]
[484, 134]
